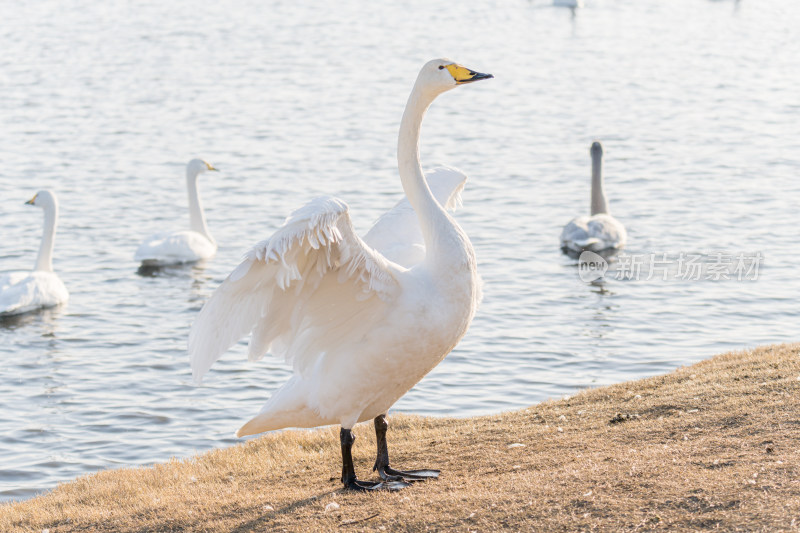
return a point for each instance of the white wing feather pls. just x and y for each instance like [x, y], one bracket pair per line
[292, 289]
[397, 235]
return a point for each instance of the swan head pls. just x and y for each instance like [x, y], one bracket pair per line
[440, 75]
[198, 166]
[42, 199]
[596, 150]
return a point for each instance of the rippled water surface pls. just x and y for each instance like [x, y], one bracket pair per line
[696, 103]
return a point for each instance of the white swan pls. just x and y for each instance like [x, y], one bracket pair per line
[600, 232]
[21, 292]
[176, 247]
[359, 330]
[568, 3]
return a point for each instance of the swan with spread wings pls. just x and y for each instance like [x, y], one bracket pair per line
[360, 320]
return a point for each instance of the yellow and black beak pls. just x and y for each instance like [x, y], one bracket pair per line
[464, 75]
[211, 167]
[30, 202]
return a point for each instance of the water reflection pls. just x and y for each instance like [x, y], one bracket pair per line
[201, 279]
[171, 271]
[165, 277]
[599, 287]
[47, 318]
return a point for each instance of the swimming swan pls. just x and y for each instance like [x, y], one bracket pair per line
[568, 3]
[176, 247]
[21, 292]
[600, 233]
[358, 328]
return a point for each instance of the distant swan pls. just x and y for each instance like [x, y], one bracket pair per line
[21, 292]
[568, 3]
[600, 232]
[358, 328]
[176, 247]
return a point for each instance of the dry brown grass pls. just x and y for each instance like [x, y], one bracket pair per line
[711, 446]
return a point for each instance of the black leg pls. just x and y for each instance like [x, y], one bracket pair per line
[388, 473]
[349, 479]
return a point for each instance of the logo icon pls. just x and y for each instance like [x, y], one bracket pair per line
[591, 266]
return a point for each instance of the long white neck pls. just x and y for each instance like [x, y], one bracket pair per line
[419, 195]
[197, 220]
[44, 261]
[599, 202]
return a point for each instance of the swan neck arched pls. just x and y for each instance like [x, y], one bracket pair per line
[197, 219]
[44, 260]
[412, 178]
[599, 202]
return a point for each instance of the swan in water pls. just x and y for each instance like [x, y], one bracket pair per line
[21, 292]
[177, 247]
[361, 321]
[600, 233]
[568, 3]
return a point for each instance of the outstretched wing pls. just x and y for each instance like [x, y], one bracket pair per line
[299, 291]
[397, 235]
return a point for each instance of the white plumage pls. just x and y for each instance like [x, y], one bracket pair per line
[360, 325]
[599, 232]
[21, 292]
[337, 289]
[596, 233]
[187, 246]
[397, 235]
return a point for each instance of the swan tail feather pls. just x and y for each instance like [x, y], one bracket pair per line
[287, 408]
[303, 417]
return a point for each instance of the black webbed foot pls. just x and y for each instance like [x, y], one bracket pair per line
[348, 471]
[388, 473]
[364, 486]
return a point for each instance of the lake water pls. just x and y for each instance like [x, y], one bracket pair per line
[696, 102]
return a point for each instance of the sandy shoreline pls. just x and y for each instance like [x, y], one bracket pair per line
[712, 446]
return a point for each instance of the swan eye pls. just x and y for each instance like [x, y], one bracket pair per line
[441, 67]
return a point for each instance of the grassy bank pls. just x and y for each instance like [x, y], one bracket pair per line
[711, 446]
